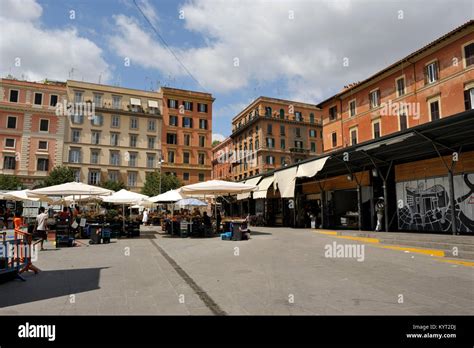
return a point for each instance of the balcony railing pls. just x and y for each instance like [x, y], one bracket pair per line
[299, 150]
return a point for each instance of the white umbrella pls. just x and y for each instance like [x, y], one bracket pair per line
[72, 188]
[23, 195]
[169, 196]
[125, 197]
[216, 188]
[190, 202]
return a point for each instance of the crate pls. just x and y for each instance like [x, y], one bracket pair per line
[226, 236]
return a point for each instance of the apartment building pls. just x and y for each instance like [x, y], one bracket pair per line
[221, 160]
[434, 82]
[271, 133]
[31, 134]
[187, 134]
[120, 140]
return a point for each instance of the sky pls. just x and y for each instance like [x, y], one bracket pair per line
[302, 50]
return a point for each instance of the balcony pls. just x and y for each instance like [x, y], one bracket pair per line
[299, 150]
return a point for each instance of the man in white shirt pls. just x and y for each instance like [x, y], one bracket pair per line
[42, 225]
[145, 217]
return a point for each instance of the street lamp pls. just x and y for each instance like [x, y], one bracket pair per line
[160, 162]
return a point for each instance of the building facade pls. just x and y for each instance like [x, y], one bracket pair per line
[271, 133]
[221, 164]
[432, 83]
[31, 134]
[187, 134]
[119, 140]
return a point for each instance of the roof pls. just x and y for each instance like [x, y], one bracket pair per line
[403, 60]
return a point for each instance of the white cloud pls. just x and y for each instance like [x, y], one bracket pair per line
[217, 136]
[45, 53]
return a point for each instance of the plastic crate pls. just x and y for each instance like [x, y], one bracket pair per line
[226, 236]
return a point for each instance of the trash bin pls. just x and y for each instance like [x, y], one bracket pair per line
[95, 234]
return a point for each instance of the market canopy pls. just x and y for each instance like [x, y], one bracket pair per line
[190, 202]
[252, 181]
[285, 181]
[125, 197]
[72, 188]
[23, 195]
[169, 196]
[310, 169]
[216, 188]
[263, 187]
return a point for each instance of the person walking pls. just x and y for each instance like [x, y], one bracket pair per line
[145, 217]
[41, 225]
[380, 209]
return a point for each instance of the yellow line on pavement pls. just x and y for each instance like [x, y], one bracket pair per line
[431, 252]
[457, 262]
[361, 239]
[329, 233]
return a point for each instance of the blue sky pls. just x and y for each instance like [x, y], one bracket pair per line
[237, 50]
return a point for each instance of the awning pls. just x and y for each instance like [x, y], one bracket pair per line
[263, 187]
[252, 181]
[135, 101]
[285, 180]
[152, 104]
[310, 169]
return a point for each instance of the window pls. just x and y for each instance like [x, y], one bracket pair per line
[10, 143]
[202, 107]
[53, 100]
[95, 156]
[133, 123]
[44, 125]
[202, 124]
[188, 106]
[77, 119]
[332, 113]
[150, 161]
[151, 142]
[38, 98]
[268, 111]
[187, 122]
[114, 175]
[269, 129]
[116, 101]
[403, 119]
[171, 138]
[469, 98]
[95, 138]
[298, 144]
[42, 145]
[270, 160]
[11, 122]
[298, 116]
[469, 54]
[270, 143]
[185, 176]
[170, 156]
[376, 129]
[311, 118]
[312, 133]
[77, 174]
[257, 144]
[202, 159]
[74, 155]
[115, 158]
[97, 120]
[133, 140]
[186, 157]
[434, 110]
[174, 121]
[77, 97]
[334, 139]
[202, 141]
[75, 135]
[431, 73]
[98, 100]
[282, 114]
[374, 98]
[283, 160]
[201, 176]
[151, 125]
[14, 96]
[282, 144]
[132, 159]
[172, 103]
[132, 179]
[114, 139]
[313, 146]
[400, 86]
[353, 136]
[187, 140]
[352, 108]
[9, 162]
[282, 130]
[297, 132]
[94, 177]
[115, 121]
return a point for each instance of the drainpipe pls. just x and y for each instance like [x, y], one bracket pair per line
[385, 195]
[359, 205]
[453, 202]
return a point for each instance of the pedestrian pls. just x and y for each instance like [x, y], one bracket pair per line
[380, 209]
[145, 217]
[41, 225]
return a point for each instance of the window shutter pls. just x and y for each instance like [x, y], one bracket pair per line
[426, 74]
[467, 99]
[169, 103]
[436, 70]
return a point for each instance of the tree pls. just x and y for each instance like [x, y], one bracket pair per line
[10, 182]
[152, 183]
[215, 143]
[59, 175]
[113, 185]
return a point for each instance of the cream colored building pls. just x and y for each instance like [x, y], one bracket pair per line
[121, 142]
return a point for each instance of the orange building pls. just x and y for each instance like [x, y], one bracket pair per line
[187, 134]
[271, 133]
[31, 134]
[432, 83]
[221, 166]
